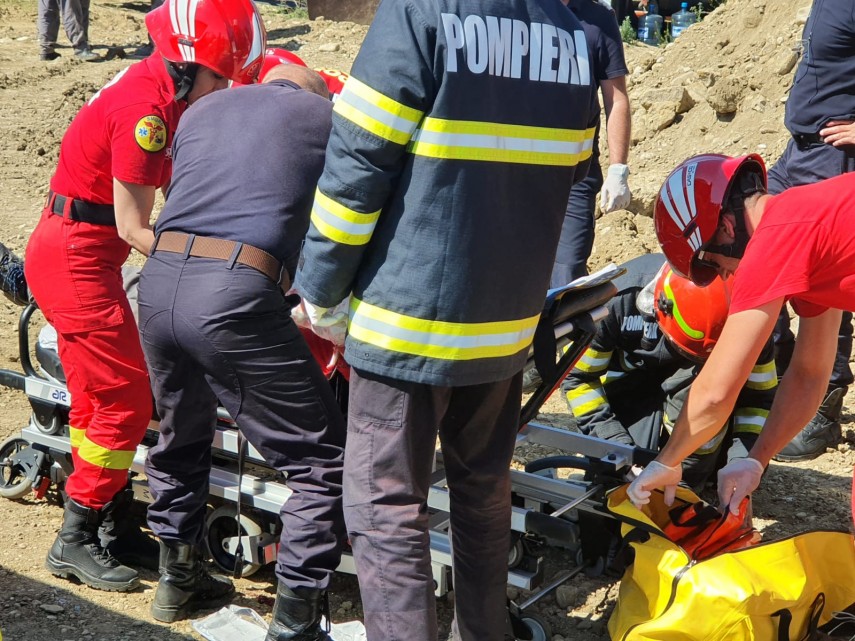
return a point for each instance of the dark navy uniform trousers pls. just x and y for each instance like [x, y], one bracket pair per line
[577, 231]
[392, 430]
[210, 332]
[804, 165]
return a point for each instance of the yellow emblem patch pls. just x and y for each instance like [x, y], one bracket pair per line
[150, 133]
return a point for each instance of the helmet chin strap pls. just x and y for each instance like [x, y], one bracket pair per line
[746, 185]
[184, 76]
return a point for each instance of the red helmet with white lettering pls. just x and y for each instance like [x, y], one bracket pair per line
[691, 317]
[335, 81]
[226, 36]
[688, 206]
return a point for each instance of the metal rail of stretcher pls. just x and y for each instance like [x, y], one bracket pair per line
[542, 503]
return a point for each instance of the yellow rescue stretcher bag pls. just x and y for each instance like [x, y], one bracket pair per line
[773, 591]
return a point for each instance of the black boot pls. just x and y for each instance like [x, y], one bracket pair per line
[122, 537]
[77, 552]
[822, 432]
[185, 585]
[297, 615]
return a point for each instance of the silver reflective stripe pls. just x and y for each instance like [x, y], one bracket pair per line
[511, 143]
[402, 125]
[442, 340]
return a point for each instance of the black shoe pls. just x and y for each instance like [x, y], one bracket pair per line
[121, 536]
[185, 585]
[822, 432]
[297, 615]
[143, 51]
[48, 55]
[77, 552]
[87, 55]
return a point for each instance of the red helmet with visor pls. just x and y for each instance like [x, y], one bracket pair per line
[691, 317]
[688, 206]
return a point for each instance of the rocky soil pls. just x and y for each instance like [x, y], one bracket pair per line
[719, 88]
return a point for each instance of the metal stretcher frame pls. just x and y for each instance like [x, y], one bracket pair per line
[545, 507]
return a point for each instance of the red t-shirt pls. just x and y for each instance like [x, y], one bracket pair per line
[124, 131]
[803, 249]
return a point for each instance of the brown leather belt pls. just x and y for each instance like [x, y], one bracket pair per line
[228, 250]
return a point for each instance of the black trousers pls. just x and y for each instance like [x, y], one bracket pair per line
[392, 431]
[577, 231]
[211, 333]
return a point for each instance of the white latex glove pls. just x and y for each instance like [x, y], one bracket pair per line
[738, 479]
[653, 477]
[330, 323]
[615, 193]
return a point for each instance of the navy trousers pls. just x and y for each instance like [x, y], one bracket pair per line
[392, 430]
[803, 165]
[577, 232]
[210, 332]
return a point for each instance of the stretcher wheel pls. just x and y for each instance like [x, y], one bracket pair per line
[15, 480]
[538, 629]
[517, 554]
[52, 426]
[221, 527]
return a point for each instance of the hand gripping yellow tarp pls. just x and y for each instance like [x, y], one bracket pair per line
[774, 591]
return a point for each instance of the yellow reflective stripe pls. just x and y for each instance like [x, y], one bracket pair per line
[585, 398]
[340, 224]
[593, 361]
[376, 113]
[438, 339]
[749, 420]
[497, 142]
[76, 435]
[95, 454]
[763, 377]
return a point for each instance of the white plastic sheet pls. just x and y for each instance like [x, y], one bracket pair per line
[234, 623]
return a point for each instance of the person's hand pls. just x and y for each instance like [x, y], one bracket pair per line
[615, 193]
[330, 323]
[838, 133]
[655, 476]
[736, 480]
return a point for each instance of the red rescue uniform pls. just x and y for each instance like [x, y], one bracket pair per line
[803, 249]
[73, 268]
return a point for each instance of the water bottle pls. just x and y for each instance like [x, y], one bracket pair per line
[650, 27]
[682, 20]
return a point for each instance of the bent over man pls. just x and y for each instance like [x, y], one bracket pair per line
[712, 215]
[113, 157]
[438, 212]
[216, 324]
[631, 383]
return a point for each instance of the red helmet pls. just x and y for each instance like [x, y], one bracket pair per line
[274, 57]
[226, 36]
[689, 204]
[691, 317]
[335, 81]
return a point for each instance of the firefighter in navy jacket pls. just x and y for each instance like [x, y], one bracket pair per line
[455, 143]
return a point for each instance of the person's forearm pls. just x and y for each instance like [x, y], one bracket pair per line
[701, 419]
[795, 405]
[133, 205]
[618, 119]
[140, 239]
[618, 130]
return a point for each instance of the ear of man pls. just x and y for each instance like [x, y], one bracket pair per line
[308, 79]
